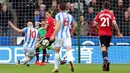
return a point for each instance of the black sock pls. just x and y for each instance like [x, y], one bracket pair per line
[44, 55]
[37, 54]
[105, 55]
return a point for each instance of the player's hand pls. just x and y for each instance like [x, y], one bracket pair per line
[119, 35]
[9, 22]
[52, 38]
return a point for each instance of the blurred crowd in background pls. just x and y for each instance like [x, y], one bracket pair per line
[20, 11]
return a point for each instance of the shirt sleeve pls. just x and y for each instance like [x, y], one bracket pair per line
[73, 20]
[25, 30]
[96, 19]
[113, 17]
[57, 17]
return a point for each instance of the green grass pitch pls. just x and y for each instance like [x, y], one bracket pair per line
[79, 68]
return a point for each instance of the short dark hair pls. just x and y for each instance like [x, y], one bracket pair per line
[48, 12]
[43, 19]
[106, 5]
[62, 6]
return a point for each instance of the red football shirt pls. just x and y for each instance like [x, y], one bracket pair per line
[104, 20]
[50, 29]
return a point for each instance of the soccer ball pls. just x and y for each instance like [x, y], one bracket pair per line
[45, 42]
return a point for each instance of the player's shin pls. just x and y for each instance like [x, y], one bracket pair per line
[69, 55]
[37, 54]
[44, 55]
[104, 53]
[25, 59]
[56, 61]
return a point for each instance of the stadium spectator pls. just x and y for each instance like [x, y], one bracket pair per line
[128, 10]
[68, 7]
[119, 12]
[95, 6]
[42, 11]
[73, 11]
[5, 15]
[36, 19]
[125, 28]
[90, 16]
[47, 4]
[0, 6]
[53, 9]
[84, 26]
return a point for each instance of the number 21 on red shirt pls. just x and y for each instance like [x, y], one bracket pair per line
[105, 22]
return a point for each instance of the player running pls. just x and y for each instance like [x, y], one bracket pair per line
[105, 19]
[29, 45]
[49, 26]
[62, 34]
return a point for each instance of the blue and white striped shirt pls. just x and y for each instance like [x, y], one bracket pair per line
[31, 35]
[66, 20]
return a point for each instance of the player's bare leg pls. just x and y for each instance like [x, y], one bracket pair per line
[105, 59]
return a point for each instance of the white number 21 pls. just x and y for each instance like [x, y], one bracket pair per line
[105, 22]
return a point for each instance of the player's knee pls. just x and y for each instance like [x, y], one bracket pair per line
[104, 48]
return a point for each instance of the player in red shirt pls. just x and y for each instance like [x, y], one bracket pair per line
[105, 19]
[49, 26]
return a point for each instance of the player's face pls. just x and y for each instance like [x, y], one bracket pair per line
[43, 23]
[29, 24]
[36, 13]
[47, 14]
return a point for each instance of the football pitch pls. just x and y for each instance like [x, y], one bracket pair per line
[79, 68]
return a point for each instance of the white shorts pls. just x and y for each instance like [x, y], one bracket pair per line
[62, 42]
[29, 51]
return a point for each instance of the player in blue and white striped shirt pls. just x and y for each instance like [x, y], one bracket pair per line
[63, 35]
[29, 46]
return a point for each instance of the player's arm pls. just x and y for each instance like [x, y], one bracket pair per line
[45, 27]
[95, 22]
[74, 28]
[95, 26]
[57, 27]
[14, 27]
[116, 27]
